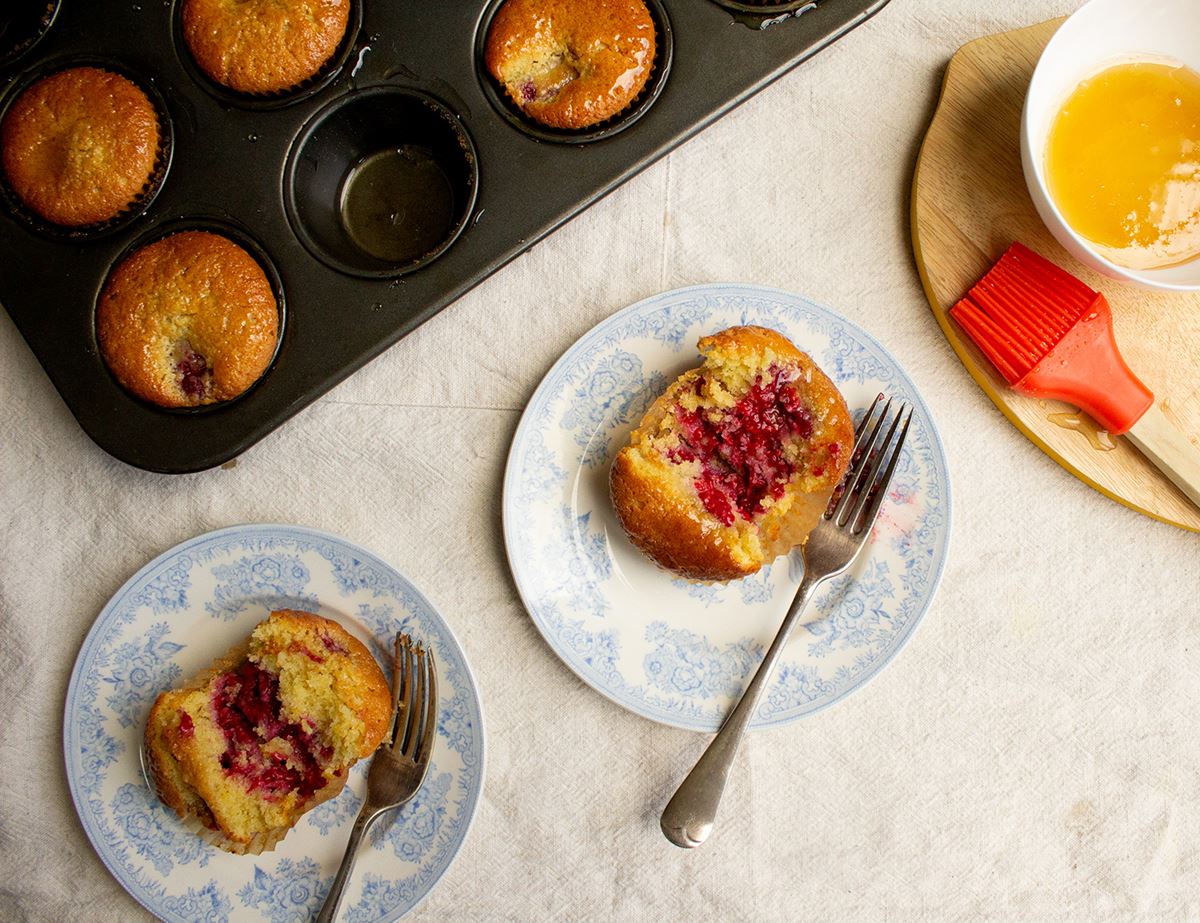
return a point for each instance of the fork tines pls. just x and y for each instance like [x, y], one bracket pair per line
[857, 499]
[414, 699]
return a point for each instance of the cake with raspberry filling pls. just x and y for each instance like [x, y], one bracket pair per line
[269, 731]
[733, 465]
[571, 64]
[187, 320]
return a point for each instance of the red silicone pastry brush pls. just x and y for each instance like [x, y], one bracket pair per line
[1050, 335]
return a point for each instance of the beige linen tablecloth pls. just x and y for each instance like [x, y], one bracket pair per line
[1033, 752]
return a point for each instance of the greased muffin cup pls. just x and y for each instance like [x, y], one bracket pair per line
[141, 201]
[325, 74]
[660, 67]
[22, 25]
[369, 156]
[137, 369]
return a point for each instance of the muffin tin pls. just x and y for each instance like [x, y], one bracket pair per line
[271, 172]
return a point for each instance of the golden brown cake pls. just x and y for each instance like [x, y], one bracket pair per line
[571, 63]
[734, 464]
[190, 319]
[269, 731]
[80, 146]
[263, 46]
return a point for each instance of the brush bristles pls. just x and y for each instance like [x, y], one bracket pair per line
[1021, 309]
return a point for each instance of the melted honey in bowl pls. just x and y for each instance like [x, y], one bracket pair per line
[1123, 163]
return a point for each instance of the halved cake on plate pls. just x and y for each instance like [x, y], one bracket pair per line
[269, 731]
[734, 464]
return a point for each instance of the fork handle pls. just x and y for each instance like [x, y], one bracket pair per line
[688, 818]
[366, 817]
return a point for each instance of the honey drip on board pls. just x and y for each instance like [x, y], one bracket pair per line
[1098, 438]
[1123, 163]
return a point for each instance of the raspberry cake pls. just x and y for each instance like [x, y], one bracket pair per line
[571, 63]
[734, 464]
[187, 320]
[269, 731]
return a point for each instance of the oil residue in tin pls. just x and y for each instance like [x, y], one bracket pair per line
[397, 204]
[362, 56]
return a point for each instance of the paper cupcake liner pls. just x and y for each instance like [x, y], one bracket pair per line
[140, 202]
[272, 99]
[260, 843]
[660, 66]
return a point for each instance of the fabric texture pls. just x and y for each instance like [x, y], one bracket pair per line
[1030, 755]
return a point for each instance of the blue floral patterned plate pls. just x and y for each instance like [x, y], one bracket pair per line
[170, 621]
[681, 652]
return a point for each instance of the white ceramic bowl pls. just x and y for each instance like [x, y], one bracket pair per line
[1100, 34]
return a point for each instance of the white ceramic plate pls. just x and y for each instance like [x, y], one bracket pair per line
[680, 652]
[170, 621]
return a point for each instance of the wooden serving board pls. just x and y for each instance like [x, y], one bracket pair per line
[969, 202]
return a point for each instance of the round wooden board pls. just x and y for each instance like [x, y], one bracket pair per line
[969, 202]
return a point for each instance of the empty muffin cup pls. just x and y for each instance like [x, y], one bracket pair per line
[22, 25]
[381, 182]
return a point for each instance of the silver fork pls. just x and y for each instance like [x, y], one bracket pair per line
[687, 820]
[399, 765]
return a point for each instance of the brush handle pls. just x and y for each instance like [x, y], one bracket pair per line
[1170, 450]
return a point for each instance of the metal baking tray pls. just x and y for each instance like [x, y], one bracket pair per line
[265, 171]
